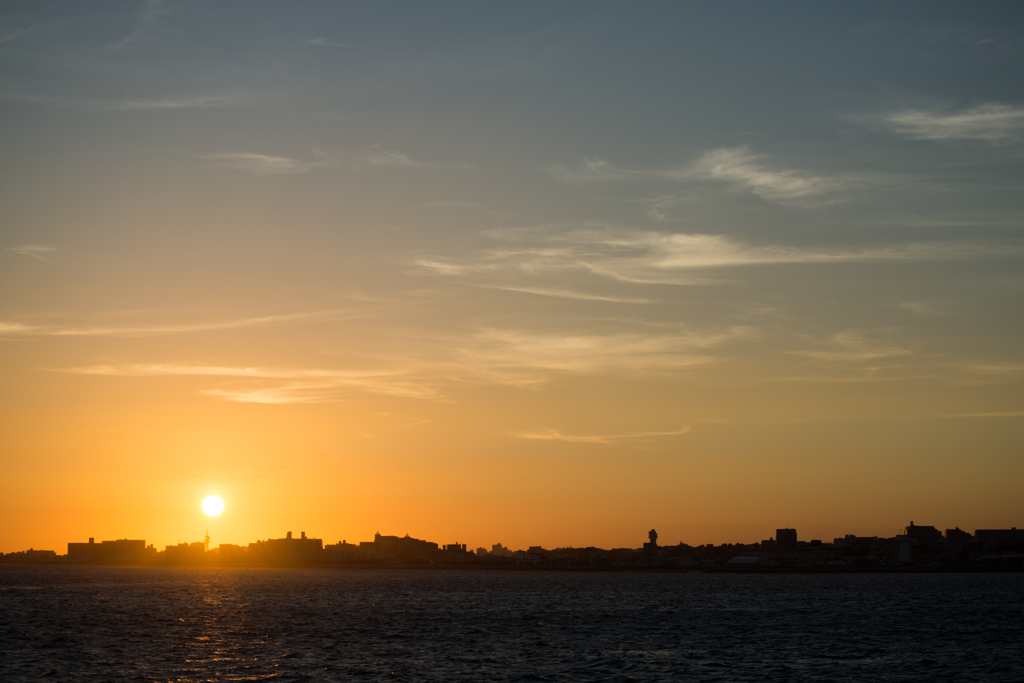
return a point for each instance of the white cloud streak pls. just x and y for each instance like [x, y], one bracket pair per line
[506, 357]
[193, 102]
[929, 308]
[746, 169]
[299, 386]
[150, 11]
[556, 435]
[449, 205]
[737, 165]
[36, 251]
[568, 294]
[260, 164]
[322, 42]
[267, 165]
[16, 328]
[498, 350]
[14, 36]
[995, 123]
[648, 257]
[171, 103]
[853, 347]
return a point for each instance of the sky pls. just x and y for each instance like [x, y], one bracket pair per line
[535, 273]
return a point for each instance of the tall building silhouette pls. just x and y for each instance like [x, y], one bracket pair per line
[785, 540]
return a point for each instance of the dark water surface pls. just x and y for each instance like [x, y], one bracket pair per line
[151, 624]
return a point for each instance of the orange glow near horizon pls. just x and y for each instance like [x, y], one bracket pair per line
[505, 281]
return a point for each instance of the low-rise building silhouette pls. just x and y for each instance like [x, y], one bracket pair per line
[120, 550]
[403, 548]
[185, 553]
[288, 550]
[922, 533]
[995, 538]
[917, 546]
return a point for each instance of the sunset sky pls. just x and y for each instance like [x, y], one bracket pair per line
[539, 274]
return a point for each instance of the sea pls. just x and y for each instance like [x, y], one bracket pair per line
[180, 624]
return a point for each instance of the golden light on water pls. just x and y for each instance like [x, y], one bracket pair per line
[213, 506]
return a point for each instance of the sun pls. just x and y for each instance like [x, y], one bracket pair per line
[213, 506]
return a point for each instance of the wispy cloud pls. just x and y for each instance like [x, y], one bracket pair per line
[6, 38]
[857, 357]
[852, 347]
[260, 164]
[36, 251]
[449, 205]
[747, 169]
[323, 42]
[303, 385]
[996, 368]
[16, 328]
[923, 308]
[737, 165]
[385, 158]
[382, 158]
[569, 294]
[1008, 413]
[668, 258]
[996, 123]
[264, 164]
[129, 104]
[149, 13]
[555, 435]
[503, 349]
[507, 357]
[657, 206]
[172, 103]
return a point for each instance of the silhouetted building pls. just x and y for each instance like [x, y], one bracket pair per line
[119, 550]
[785, 540]
[289, 550]
[498, 550]
[341, 552]
[455, 552]
[902, 549]
[405, 548]
[30, 556]
[185, 553]
[231, 554]
[958, 543]
[855, 547]
[536, 554]
[995, 538]
[83, 551]
[922, 533]
[651, 548]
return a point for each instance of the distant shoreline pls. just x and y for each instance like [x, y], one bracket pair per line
[642, 569]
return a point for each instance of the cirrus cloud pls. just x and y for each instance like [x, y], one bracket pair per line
[995, 123]
[649, 257]
[36, 251]
[739, 166]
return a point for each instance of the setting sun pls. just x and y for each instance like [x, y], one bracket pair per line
[213, 506]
